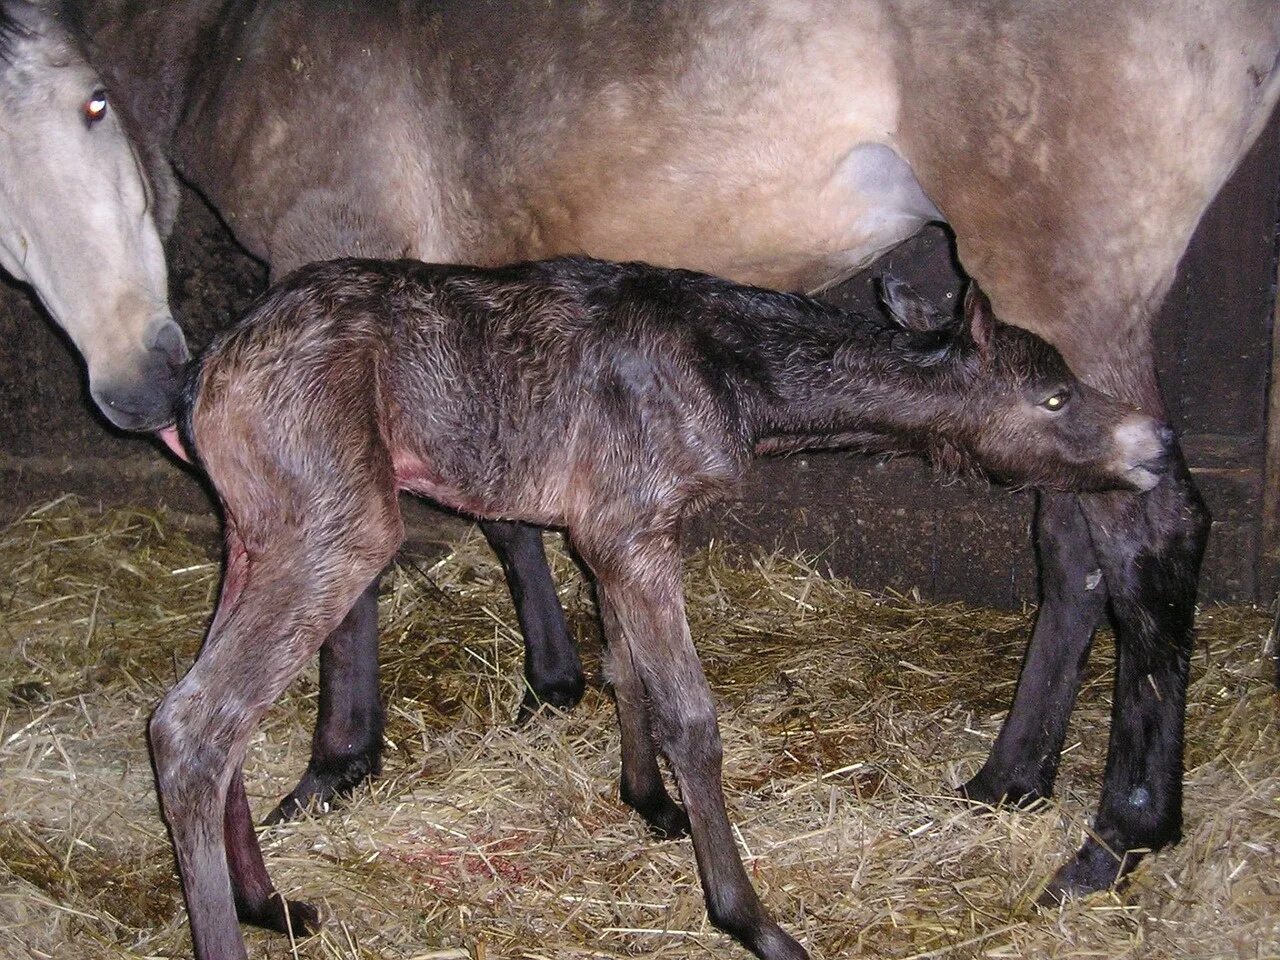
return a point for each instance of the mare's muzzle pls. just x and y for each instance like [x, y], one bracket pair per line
[145, 399]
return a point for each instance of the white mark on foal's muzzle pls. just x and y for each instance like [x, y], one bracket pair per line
[1140, 451]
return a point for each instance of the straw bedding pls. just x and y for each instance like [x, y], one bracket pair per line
[846, 718]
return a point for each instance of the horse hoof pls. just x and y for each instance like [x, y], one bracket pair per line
[563, 695]
[988, 797]
[666, 819]
[1093, 868]
[323, 785]
[281, 916]
[671, 824]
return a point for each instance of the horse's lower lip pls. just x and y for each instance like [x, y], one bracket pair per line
[1157, 465]
[135, 421]
[1144, 478]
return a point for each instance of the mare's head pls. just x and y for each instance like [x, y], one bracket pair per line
[1018, 412]
[78, 218]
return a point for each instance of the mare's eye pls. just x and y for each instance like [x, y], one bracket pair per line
[1056, 401]
[95, 108]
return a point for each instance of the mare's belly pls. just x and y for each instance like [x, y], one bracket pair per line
[800, 226]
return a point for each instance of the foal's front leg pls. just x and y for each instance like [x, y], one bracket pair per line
[552, 669]
[1023, 763]
[642, 608]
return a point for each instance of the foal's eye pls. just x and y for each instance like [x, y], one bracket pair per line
[95, 108]
[1056, 401]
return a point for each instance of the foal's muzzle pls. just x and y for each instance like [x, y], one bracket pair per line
[1146, 450]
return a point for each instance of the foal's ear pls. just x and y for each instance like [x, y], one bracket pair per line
[907, 308]
[979, 318]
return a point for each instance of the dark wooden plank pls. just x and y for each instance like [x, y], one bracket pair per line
[1269, 547]
[1213, 338]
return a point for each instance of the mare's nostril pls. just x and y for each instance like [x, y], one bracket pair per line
[1166, 435]
[170, 343]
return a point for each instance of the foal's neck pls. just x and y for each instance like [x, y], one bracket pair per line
[836, 379]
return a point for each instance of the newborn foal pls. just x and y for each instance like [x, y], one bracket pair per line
[608, 399]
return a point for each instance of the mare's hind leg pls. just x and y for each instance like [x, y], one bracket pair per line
[642, 608]
[347, 745]
[552, 670]
[1150, 547]
[1023, 763]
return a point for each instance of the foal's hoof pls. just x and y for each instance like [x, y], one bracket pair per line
[670, 823]
[322, 785]
[281, 916]
[1093, 868]
[666, 819]
[981, 792]
[563, 694]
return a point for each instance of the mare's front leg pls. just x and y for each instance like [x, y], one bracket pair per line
[552, 669]
[1149, 547]
[642, 608]
[1023, 763]
[346, 748]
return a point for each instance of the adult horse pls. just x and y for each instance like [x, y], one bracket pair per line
[79, 218]
[1071, 147]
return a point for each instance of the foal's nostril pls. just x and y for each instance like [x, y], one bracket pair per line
[1166, 435]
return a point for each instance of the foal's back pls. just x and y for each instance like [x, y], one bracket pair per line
[492, 390]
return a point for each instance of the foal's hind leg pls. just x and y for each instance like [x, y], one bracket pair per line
[552, 670]
[257, 901]
[642, 608]
[1023, 763]
[347, 745]
[290, 598]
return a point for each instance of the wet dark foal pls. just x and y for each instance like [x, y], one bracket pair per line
[609, 400]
